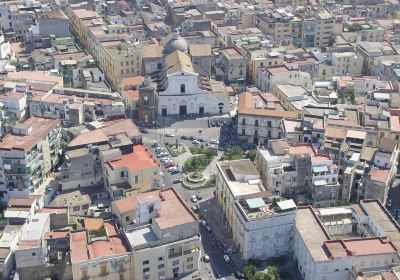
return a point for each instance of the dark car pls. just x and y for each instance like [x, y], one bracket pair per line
[183, 137]
[200, 139]
[176, 172]
[238, 275]
[144, 130]
[177, 181]
[191, 138]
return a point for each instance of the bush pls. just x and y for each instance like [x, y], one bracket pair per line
[197, 163]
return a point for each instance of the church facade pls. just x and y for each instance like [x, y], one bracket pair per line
[186, 92]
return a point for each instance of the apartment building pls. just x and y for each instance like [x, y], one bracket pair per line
[318, 31]
[261, 58]
[261, 223]
[264, 225]
[299, 169]
[283, 26]
[260, 117]
[130, 169]
[121, 61]
[341, 243]
[162, 245]
[28, 154]
[74, 106]
[343, 63]
[81, 168]
[230, 66]
[268, 76]
[295, 97]
[100, 257]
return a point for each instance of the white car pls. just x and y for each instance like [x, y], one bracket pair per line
[194, 199]
[213, 141]
[203, 223]
[195, 142]
[172, 168]
[169, 134]
[205, 258]
[227, 259]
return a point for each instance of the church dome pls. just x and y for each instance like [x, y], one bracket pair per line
[176, 43]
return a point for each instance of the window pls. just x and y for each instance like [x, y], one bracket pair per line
[243, 121]
[160, 258]
[175, 262]
[146, 262]
[136, 179]
[189, 259]
[146, 269]
[151, 208]
[269, 134]
[76, 208]
[160, 266]
[183, 89]
[256, 123]
[33, 254]
[269, 123]
[121, 277]
[255, 133]
[190, 266]
[243, 131]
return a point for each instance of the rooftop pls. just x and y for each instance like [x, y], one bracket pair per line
[312, 232]
[71, 199]
[141, 236]
[359, 247]
[139, 159]
[102, 134]
[40, 128]
[129, 203]
[248, 105]
[173, 211]
[178, 61]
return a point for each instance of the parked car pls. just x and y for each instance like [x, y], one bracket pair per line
[214, 141]
[389, 202]
[177, 181]
[205, 258]
[159, 149]
[172, 168]
[238, 275]
[227, 259]
[183, 137]
[169, 134]
[195, 142]
[191, 138]
[168, 164]
[208, 228]
[144, 130]
[199, 197]
[200, 139]
[176, 172]
[194, 199]
[195, 208]
[203, 223]
[213, 147]
[162, 154]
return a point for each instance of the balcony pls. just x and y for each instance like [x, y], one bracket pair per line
[175, 254]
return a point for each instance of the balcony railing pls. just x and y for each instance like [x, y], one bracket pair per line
[174, 255]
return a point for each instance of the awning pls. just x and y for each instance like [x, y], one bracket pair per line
[319, 169]
[254, 203]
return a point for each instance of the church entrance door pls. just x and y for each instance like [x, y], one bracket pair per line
[182, 110]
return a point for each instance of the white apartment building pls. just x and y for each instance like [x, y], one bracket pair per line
[267, 77]
[264, 226]
[261, 225]
[339, 243]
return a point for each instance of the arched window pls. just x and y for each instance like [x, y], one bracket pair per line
[183, 90]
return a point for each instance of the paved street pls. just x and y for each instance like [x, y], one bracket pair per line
[209, 208]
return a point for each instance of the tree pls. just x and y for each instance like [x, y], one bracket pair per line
[272, 273]
[249, 271]
[251, 154]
